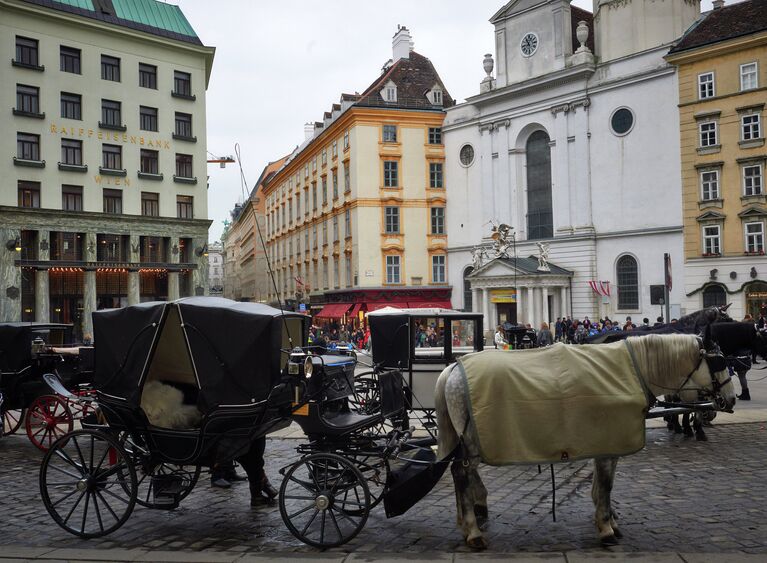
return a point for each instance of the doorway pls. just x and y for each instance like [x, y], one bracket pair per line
[507, 313]
[756, 298]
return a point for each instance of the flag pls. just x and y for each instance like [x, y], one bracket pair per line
[600, 287]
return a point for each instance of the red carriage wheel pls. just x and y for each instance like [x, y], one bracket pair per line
[12, 420]
[48, 418]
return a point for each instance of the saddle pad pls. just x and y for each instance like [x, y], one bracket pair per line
[555, 404]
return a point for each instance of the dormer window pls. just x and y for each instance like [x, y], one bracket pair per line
[389, 92]
[435, 96]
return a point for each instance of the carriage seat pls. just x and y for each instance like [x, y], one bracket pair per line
[313, 420]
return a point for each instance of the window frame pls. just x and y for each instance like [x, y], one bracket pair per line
[27, 146]
[111, 113]
[391, 176]
[149, 161]
[29, 53]
[758, 248]
[184, 207]
[437, 221]
[69, 100]
[752, 129]
[391, 220]
[758, 177]
[186, 80]
[707, 84]
[183, 126]
[715, 248]
[70, 59]
[28, 192]
[112, 201]
[72, 148]
[750, 75]
[436, 175]
[31, 95]
[150, 204]
[708, 134]
[182, 162]
[71, 197]
[147, 76]
[435, 136]
[389, 133]
[393, 269]
[627, 283]
[148, 118]
[108, 67]
[437, 268]
[111, 154]
[704, 182]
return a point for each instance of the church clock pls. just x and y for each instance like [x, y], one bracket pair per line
[529, 44]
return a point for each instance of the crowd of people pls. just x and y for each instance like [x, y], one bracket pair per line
[334, 334]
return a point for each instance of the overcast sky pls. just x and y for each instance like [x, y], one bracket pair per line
[282, 63]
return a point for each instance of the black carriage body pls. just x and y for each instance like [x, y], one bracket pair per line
[22, 363]
[225, 356]
[394, 339]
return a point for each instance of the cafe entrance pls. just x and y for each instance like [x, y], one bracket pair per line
[756, 298]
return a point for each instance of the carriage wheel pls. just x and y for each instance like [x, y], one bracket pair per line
[373, 468]
[367, 396]
[12, 420]
[88, 483]
[48, 418]
[317, 496]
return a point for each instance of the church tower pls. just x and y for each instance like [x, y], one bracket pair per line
[625, 27]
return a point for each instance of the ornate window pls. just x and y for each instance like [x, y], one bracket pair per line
[714, 296]
[628, 282]
[539, 216]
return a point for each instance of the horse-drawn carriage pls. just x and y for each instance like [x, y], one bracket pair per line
[27, 351]
[243, 371]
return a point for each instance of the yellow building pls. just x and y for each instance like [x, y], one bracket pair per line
[356, 217]
[722, 93]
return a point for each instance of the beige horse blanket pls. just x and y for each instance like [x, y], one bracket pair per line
[559, 403]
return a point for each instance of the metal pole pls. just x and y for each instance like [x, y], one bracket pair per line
[666, 280]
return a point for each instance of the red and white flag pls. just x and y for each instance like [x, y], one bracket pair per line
[600, 287]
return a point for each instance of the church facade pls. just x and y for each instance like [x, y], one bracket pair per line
[573, 144]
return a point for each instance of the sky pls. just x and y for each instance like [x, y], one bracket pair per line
[280, 64]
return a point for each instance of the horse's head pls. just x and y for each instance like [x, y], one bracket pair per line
[710, 378]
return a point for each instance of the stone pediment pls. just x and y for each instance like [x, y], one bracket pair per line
[515, 7]
[520, 267]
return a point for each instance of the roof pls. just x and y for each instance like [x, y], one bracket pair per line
[269, 171]
[150, 16]
[728, 22]
[414, 77]
[525, 266]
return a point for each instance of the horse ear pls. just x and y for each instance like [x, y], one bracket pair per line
[725, 307]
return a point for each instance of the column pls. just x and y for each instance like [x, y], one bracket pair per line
[173, 282]
[530, 308]
[557, 307]
[520, 304]
[200, 274]
[89, 301]
[563, 301]
[486, 160]
[10, 277]
[134, 287]
[482, 307]
[545, 304]
[476, 295]
[42, 297]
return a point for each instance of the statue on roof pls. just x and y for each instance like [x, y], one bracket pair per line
[543, 257]
[503, 239]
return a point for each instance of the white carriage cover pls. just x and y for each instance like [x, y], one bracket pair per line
[555, 404]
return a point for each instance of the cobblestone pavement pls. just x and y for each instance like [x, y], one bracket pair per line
[676, 495]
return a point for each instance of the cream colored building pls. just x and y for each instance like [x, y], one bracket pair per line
[722, 65]
[356, 217]
[104, 187]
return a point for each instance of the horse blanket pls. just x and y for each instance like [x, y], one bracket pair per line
[555, 404]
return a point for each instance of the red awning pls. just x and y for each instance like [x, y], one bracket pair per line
[441, 304]
[355, 309]
[375, 306]
[333, 310]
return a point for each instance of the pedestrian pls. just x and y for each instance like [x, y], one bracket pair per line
[628, 324]
[558, 329]
[544, 335]
[500, 338]
[658, 322]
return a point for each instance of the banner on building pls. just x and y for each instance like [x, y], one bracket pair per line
[503, 295]
[600, 287]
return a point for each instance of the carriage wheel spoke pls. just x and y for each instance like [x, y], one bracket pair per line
[309, 523]
[322, 526]
[98, 513]
[93, 448]
[79, 451]
[105, 503]
[85, 511]
[71, 510]
[62, 499]
[293, 497]
[335, 523]
[339, 480]
[309, 507]
[65, 472]
[66, 457]
[101, 461]
[111, 494]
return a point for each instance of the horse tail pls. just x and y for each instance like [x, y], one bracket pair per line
[447, 437]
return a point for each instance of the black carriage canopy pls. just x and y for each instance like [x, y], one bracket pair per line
[229, 351]
[16, 341]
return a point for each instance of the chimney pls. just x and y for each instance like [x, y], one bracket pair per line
[308, 130]
[402, 44]
[718, 4]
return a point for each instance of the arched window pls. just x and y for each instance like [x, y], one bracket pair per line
[540, 222]
[714, 295]
[467, 297]
[628, 282]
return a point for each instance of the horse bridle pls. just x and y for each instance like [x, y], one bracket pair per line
[716, 362]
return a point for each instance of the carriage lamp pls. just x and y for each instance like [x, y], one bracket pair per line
[308, 367]
[14, 245]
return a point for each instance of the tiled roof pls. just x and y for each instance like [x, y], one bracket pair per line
[414, 77]
[728, 22]
[578, 14]
[150, 16]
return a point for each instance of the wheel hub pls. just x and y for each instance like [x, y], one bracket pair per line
[322, 502]
[82, 484]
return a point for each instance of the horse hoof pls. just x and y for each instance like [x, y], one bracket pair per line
[617, 532]
[478, 544]
[689, 433]
[612, 539]
[701, 438]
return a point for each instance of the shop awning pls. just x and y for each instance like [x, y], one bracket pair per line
[437, 304]
[355, 309]
[375, 306]
[333, 310]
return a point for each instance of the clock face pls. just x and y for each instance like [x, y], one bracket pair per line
[529, 44]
